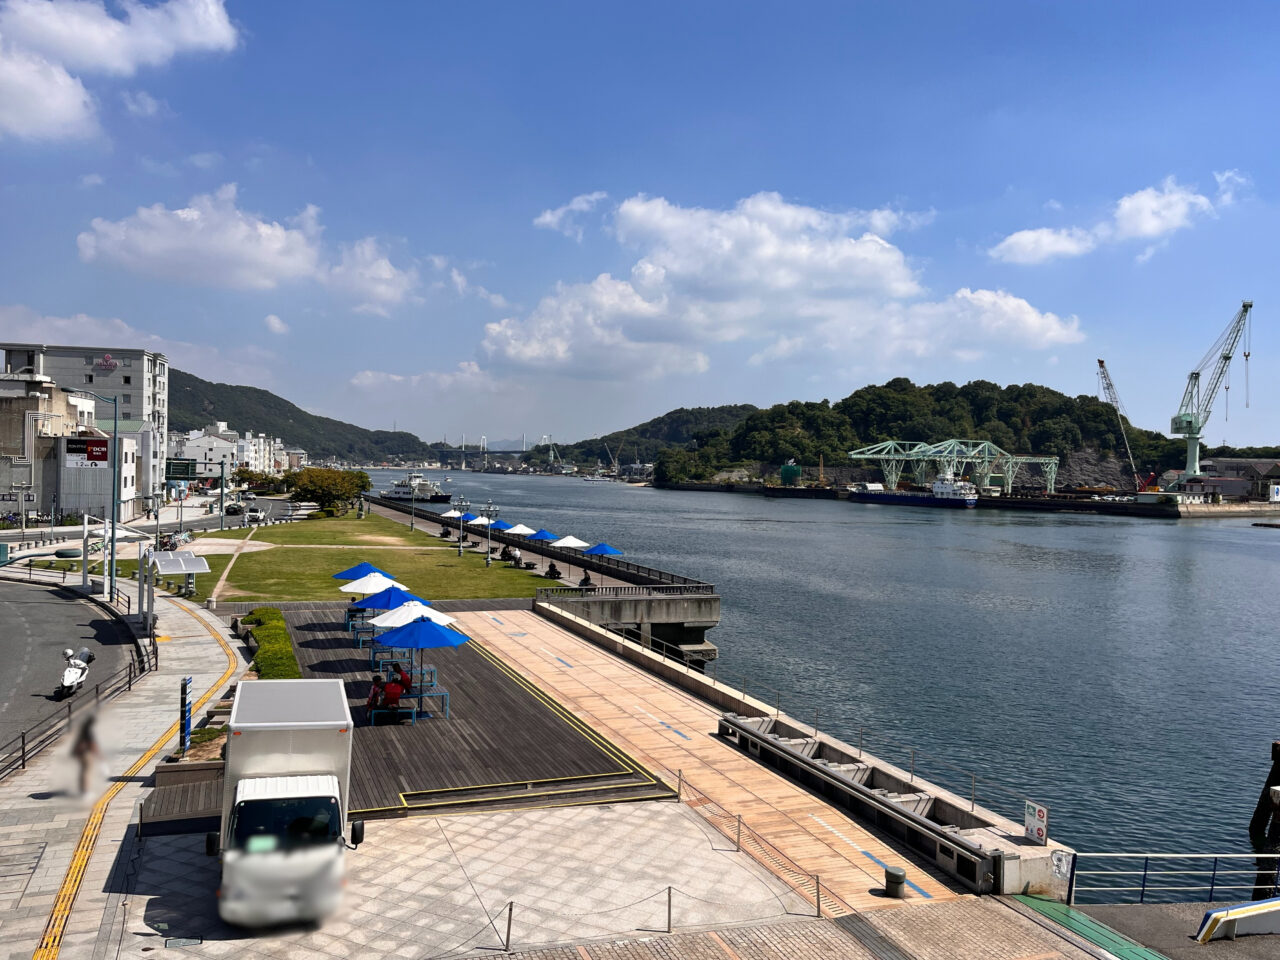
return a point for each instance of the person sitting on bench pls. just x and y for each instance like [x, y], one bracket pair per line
[553, 572]
[375, 693]
[505, 555]
[399, 676]
[515, 556]
[586, 580]
[385, 695]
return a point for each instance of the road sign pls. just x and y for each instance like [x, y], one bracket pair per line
[1035, 821]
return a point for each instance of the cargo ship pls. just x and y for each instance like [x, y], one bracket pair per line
[945, 492]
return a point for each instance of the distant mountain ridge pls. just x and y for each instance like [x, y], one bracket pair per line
[195, 403]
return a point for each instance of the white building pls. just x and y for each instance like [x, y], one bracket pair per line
[138, 380]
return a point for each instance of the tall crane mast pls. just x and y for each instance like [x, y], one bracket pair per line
[1113, 398]
[1197, 404]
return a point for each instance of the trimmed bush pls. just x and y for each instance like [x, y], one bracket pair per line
[275, 659]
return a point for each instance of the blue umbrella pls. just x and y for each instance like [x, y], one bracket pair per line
[358, 571]
[388, 599]
[467, 517]
[542, 535]
[501, 525]
[602, 550]
[422, 635]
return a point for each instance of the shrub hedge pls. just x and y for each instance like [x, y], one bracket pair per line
[275, 659]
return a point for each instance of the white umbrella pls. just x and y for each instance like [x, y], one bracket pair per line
[451, 513]
[571, 543]
[520, 530]
[479, 522]
[373, 583]
[409, 612]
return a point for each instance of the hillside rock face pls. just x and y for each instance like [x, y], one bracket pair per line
[1088, 467]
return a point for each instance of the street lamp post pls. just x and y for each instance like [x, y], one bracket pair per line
[462, 505]
[413, 504]
[115, 480]
[489, 512]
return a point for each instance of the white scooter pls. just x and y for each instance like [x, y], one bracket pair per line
[76, 672]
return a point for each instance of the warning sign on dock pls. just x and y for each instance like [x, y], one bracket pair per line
[1035, 820]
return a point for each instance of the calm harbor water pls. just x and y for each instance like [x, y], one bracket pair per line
[1123, 672]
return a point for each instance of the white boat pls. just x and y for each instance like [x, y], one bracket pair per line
[415, 487]
[945, 492]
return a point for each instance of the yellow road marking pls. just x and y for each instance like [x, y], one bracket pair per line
[165, 639]
[51, 941]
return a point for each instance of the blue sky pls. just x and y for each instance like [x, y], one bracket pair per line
[567, 218]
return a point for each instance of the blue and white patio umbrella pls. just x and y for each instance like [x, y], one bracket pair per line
[358, 571]
[602, 550]
[388, 599]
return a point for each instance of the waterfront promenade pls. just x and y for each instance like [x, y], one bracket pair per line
[591, 882]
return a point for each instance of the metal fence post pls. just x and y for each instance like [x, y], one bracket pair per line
[506, 944]
[860, 743]
[973, 791]
[1071, 880]
[668, 909]
[1146, 865]
[738, 843]
[24, 749]
[913, 765]
[679, 784]
[129, 683]
[1213, 880]
[817, 895]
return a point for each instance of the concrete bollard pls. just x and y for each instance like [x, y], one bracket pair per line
[895, 879]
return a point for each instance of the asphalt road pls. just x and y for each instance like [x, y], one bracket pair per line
[195, 519]
[39, 622]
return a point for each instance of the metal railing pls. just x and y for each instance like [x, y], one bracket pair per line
[622, 569]
[746, 840]
[15, 754]
[1173, 877]
[606, 593]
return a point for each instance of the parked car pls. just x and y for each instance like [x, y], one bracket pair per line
[251, 496]
[233, 510]
[255, 514]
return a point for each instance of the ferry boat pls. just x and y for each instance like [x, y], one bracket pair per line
[416, 488]
[945, 492]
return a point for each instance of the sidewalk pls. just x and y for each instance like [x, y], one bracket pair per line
[57, 849]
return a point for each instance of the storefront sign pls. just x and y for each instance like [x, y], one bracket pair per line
[106, 363]
[83, 452]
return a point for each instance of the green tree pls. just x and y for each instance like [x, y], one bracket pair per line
[325, 487]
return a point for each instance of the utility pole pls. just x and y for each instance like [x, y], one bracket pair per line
[222, 497]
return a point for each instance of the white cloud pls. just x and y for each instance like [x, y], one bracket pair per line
[467, 377]
[159, 168]
[564, 220]
[365, 272]
[799, 281]
[91, 180]
[44, 42]
[205, 161]
[1228, 182]
[275, 324]
[464, 286]
[139, 103]
[83, 36]
[1037, 246]
[39, 100]
[1152, 213]
[210, 242]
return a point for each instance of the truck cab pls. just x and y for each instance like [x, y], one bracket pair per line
[284, 835]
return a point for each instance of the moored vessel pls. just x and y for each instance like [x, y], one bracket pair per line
[416, 487]
[946, 491]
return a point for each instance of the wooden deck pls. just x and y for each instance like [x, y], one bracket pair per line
[670, 730]
[505, 743]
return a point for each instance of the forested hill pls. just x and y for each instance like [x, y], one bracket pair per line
[643, 443]
[1027, 419]
[195, 403]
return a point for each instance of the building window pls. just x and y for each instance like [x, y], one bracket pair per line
[126, 398]
[128, 381]
[88, 361]
[126, 362]
[88, 378]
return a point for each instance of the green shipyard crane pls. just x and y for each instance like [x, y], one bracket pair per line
[1113, 398]
[1197, 404]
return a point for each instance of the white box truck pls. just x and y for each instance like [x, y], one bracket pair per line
[284, 803]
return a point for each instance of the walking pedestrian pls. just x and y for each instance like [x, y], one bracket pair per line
[85, 750]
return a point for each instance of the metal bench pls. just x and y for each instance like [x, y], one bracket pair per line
[395, 711]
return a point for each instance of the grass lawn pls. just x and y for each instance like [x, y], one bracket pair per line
[371, 531]
[236, 533]
[286, 574]
[205, 582]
